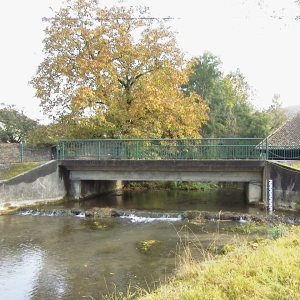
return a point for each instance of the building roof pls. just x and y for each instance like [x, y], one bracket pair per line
[287, 134]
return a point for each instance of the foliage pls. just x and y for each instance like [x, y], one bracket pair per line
[115, 72]
[46, 135]
[226, 95]
[277, 231]
[276, 112]
[172, 185]
[14, 125]
[17, 169]
[263, 123]
[231, 113]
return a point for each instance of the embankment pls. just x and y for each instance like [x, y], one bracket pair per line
[39, 185]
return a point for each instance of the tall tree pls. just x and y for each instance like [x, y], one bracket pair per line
[14, 124]
[277, 113]
[116, 71]
[226, 95]
[262, 123]
[237, 102]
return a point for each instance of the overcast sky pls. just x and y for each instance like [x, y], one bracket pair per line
[260, 37]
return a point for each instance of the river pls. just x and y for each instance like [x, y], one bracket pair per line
[69, 257]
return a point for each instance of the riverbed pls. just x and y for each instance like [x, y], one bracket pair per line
[51, 256]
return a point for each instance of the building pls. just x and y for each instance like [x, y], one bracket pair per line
[284, 143]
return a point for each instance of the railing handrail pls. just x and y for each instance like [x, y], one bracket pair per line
[158, 139]
[167, 148]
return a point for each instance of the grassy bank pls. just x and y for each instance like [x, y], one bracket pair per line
[18, 168]
[266, 270]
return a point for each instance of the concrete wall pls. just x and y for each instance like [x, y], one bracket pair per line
[42, 184]
[49, 183]
[286, 186]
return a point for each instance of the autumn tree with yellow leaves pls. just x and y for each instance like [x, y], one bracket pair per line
[116, 72]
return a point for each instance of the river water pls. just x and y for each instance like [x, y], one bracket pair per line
[68, 257]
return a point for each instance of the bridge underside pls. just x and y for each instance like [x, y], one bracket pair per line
[247, 171]
[170, 170]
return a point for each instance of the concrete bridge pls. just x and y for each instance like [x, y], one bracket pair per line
[84, 168]
[219, 160]
[250, 172]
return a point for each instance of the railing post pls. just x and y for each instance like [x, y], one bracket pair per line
[21, 152]
[63, 150]
[99, 150]
[267, 149]
[57, 151]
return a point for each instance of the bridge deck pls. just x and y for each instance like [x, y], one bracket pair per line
[165, 170]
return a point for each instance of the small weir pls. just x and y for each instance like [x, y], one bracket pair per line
[147, 216]
[133, 216]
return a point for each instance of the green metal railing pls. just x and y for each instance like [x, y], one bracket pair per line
[283, 152]
[206, 148]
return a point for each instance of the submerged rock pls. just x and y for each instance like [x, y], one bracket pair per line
[104, 212]
[147, 246]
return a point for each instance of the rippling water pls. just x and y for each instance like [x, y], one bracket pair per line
[51, 257]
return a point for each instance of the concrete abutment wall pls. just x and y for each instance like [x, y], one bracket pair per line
[42, 184]
[286, 185]
[49, 183]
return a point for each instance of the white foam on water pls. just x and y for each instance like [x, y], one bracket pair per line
[137, 219]
[81, 215]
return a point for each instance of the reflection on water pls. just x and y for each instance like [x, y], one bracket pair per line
[22, 265]
[178, 201]
[44, 257]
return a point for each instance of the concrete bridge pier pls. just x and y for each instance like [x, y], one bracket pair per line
[79, 189]
[75, 189]
[253, 192]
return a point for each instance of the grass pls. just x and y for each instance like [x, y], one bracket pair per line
[17, 169]
[270, 270]
[176, 185]
[296, 166]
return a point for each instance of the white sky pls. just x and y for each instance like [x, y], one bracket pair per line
[242, 33]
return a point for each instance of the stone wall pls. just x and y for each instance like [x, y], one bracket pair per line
[10, 153]
[15, 153]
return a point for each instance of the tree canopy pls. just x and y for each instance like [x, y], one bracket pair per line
[228, 96]
[116, 72]
[231, 113]
[14, 124]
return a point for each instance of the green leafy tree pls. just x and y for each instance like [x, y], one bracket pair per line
[227, 97]
[277, 113]
[263, 123]
[238, 109]
[259, 125]
[115, 71]
[14, 124]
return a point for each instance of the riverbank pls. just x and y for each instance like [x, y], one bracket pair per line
[263, 269]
